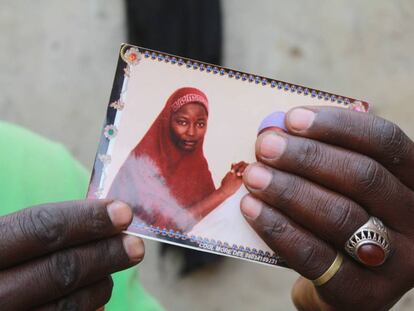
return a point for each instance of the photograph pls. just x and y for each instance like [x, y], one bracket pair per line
[176, 140]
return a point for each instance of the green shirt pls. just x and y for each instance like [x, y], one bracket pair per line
[34, 170]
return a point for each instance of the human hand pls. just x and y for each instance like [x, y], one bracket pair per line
[339, 168]
[238, 168]
[230, 184]
[61, 255]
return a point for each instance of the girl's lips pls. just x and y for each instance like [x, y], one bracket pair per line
[189, 142]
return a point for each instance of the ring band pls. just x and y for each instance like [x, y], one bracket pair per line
[330, 272]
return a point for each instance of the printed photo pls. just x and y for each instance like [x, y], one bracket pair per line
[177, 138]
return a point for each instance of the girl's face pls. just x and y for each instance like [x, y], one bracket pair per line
[188, 126]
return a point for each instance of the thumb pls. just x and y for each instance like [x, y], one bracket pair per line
[306, 298]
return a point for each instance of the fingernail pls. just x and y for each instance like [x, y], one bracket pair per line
[250, 207]
[257, 177]
[271, 145]
[134, 247]
[301, 119]
[120, 214]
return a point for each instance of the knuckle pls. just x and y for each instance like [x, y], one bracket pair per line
[98, 220]
[391, 138]
[287, 189]
[343, 121]
[44, 224]
[320, 202]
[341, 211]
[390, 133]
[275, 228]
[337, 211]
[369, 176]
[310, 155]
[308, 257]
[64, 269]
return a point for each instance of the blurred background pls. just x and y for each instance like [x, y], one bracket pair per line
[57, 61]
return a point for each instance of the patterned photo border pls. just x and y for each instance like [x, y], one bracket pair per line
[131, 56]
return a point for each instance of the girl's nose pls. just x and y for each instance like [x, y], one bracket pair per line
[191, 130]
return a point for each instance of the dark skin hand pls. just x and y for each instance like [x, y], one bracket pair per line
[60, 256]
[317, 184]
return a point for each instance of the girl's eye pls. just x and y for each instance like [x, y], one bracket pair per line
[181, 122]
[201, 124]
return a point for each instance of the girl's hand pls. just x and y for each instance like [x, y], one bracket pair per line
[238, 168]
[230, 184]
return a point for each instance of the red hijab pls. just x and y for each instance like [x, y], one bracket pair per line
[186, 173]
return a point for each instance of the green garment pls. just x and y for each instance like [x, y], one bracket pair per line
[34, 170]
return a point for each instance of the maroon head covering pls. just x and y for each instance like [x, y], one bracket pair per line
[186, 173]
[159, 180]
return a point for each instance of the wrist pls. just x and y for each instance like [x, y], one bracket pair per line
[222, 193]
[226, 192]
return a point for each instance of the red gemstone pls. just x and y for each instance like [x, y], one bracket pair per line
[371, 255]
[132, 57]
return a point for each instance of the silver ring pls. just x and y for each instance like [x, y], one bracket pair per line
[370, 244]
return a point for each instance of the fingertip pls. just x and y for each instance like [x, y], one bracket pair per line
[300, 294]
[305, 297]
[120, 214]
[257, 177]
[299, 119]
[134, 247]
[250, 207]
[270, 145]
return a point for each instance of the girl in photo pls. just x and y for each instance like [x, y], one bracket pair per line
[166, 178]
